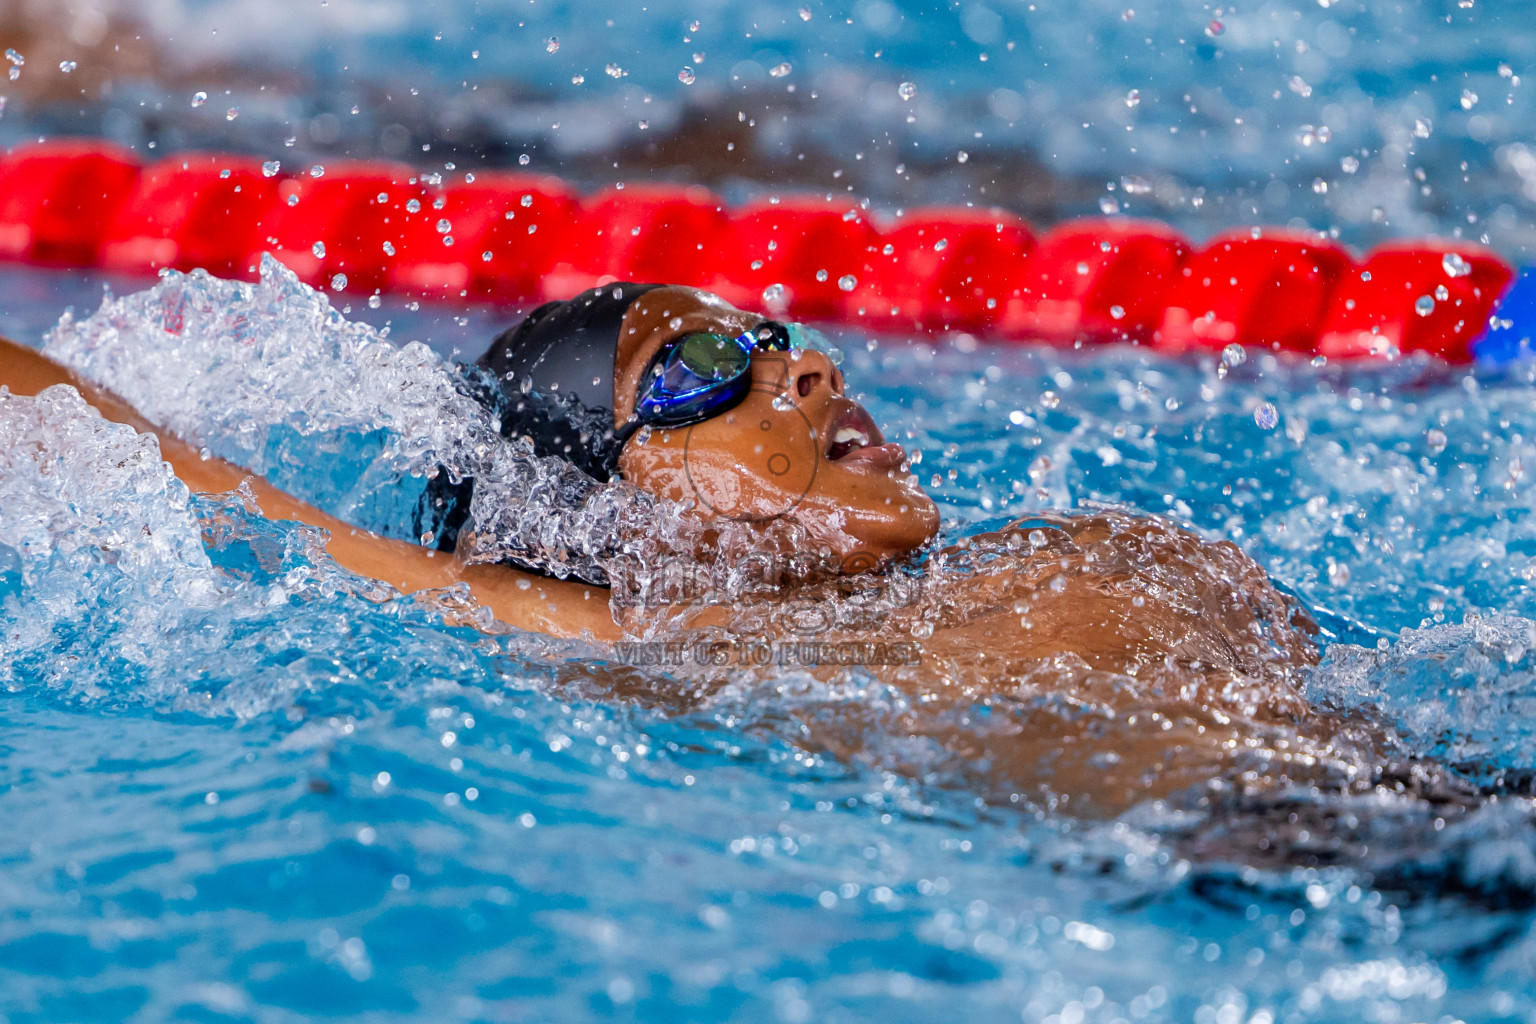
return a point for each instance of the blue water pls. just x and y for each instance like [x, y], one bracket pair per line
[242, 789]
[235, 785]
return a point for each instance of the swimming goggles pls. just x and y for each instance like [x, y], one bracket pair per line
[700, 375]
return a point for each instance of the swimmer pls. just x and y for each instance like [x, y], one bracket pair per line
[1150, 662]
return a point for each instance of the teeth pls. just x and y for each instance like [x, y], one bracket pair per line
[846, 435]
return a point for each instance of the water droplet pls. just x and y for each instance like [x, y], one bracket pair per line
[15, 58]
[1136, 186]
[1442, 293]
[1215, 28]
[1468, 99]
[1108, 205]
[941, 245]
[231, 113]
[413, 205]
[1455, 265]
[773, 295]
[1050, 399]
[1436, 439]
[1133, 97]
[67, 66]
[1234, 355]
[389, 248]
[578, 79]
[270, 168]
[1422, 126]
[686, 75]
[906, 90]
[551, 45]
[338, 282]
[444, 226]
[522, 160]
[821, 275]
[1349, 164]
[1299, 86]
[805, 14]
[319, 250]
[1266, 416]
[780, 70]
[847, 282]
[1117, 312]
[199, 98]
[374, 302]
[1338, 573]
[1424, 305]
[614, 71]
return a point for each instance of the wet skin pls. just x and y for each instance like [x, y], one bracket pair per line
[1183, 649]
[778, 453]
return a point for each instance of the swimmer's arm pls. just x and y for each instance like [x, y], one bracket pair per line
[558, 607]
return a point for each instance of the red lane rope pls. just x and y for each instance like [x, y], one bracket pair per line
[379, 227]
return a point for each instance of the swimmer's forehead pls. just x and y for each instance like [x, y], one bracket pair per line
[656, 318]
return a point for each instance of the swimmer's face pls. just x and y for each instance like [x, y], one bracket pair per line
[795, 447]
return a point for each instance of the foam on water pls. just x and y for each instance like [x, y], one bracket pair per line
[291, 776]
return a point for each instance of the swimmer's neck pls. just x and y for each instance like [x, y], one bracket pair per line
[520, 599]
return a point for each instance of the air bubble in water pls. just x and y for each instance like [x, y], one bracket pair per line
[389, 248]
[338, 282]
[805, 14]
[1468, 99]
[1266, 416]
[444, 226]
[773, 295]
[270, 168]
[67, 66]
[1436, 440]
[199, 98]
[1108, 205]
[1424, 305]
[1442, 293]
[821, 275]
[1455, 265]
[1422, 127]
[231, 113]
[1349, 164]
[319, 250]
[847, 282]
[906, 90]
[615, 71]
[686, 75]
[1234, 355]
[1215, 28]
[551, 45]
[1133, 97]
[413, 205]
[1117, 312]
[780, 70]
[374, 302]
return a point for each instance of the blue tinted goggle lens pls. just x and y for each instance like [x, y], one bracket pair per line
[702, 374]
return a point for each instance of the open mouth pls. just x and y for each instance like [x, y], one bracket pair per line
[853, 438]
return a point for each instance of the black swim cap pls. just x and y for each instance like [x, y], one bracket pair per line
[555, 370]
[549, 379]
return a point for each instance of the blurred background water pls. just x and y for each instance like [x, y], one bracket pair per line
[236, 788]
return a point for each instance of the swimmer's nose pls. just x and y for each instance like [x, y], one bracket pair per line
[814, 376]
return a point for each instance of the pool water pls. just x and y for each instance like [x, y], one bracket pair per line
[241, 786]
[238, 783]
